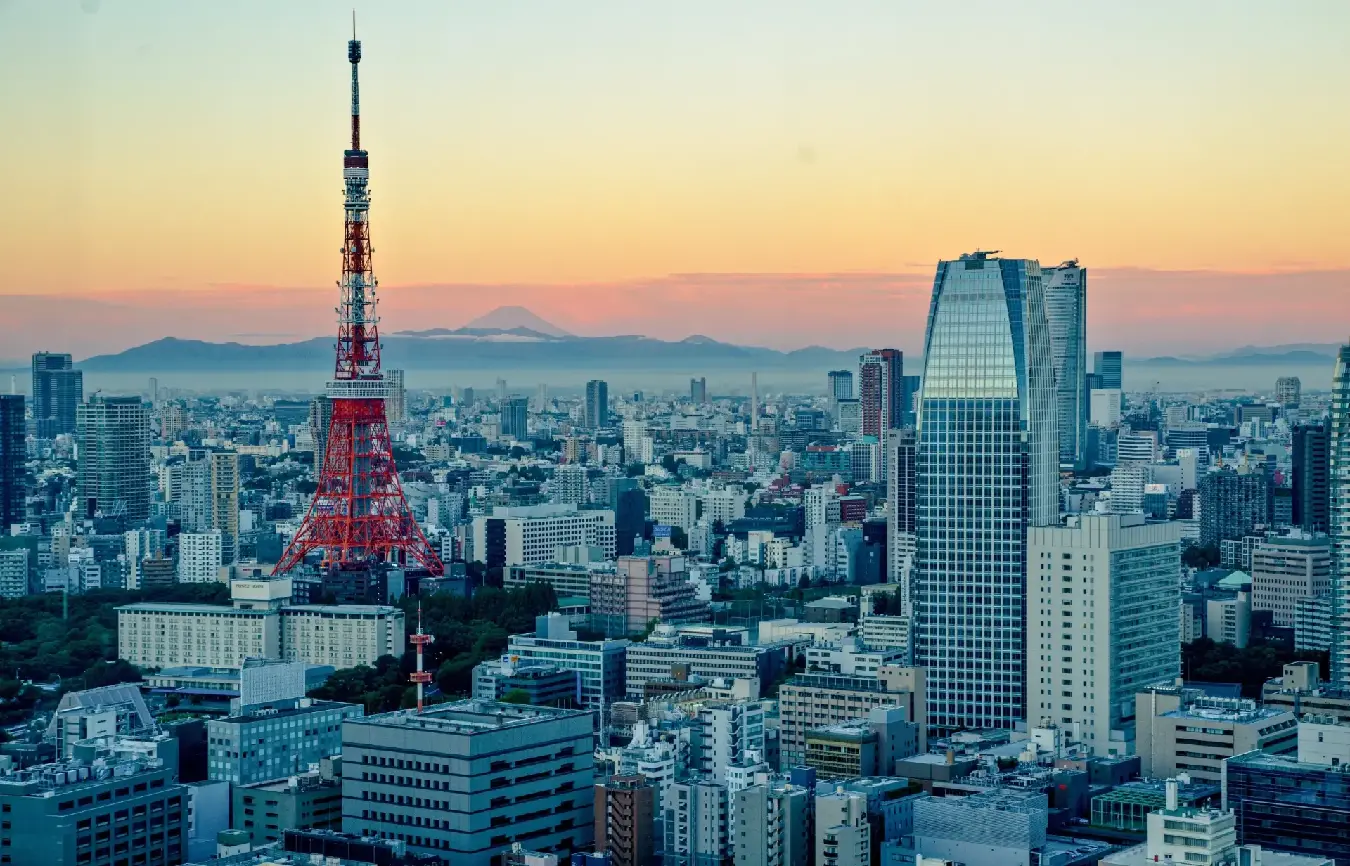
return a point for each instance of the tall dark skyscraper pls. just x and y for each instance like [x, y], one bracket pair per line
[698, 390]
[1233, 504]
[597, 404]
[1110, 369]
[841, 384]
[881, 375]
[1311, 458]
[1066, 312]
[12, 459]
[988, 460]
[114, 473]
[516, 417]
[57, 389]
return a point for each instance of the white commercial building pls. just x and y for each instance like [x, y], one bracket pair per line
[843, 834]
[569, 485]
[673, 506]
[532, 534]
[724, 505]
[1287, 569]
[260, 624]
[1102, 600]
[886, 632]
[199, 557]
[1104, 407]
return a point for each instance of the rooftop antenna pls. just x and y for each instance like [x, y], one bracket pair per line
[420, 676]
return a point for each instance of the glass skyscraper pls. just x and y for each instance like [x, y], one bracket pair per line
[1340, 518]
[987, 468]
[1066, 313]
[1109, 367]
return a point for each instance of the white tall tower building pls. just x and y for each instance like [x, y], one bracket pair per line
[1102, 622]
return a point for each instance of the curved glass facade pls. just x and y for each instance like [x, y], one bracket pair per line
[987, 468]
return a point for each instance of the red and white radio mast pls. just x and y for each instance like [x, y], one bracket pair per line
[420, 640]
[359, 516]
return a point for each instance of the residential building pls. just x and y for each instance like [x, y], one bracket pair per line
[1287, 569]
[267, 742]
[58, 389]
[600, 663]
[224, 501]
[625, 820]
[15, 572]
[1181, 730]
[199, 557]
[843, 833]
[1102, 596]
[531, 535]
[881, 386]
[1233, 504]
[1066, 314]
[773, 826]
[883, 632]
[1311, 464]
[1312, 624]
[722, 733]
[1300, 690]
[465, 780]
[863, 747]
[569, 485]
[114, 471]
[641, 589]
[111, 805]
[320, 419]
[396, 404]
[696, 824]
[809, 701]
[597, 404]
[901, 462]
[311, 800]
[986, 423]
[653, 659]
[13, 456]
[1339, 518]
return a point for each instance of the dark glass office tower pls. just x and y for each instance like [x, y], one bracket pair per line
[987, 468]
[12, 458]
[1311, 458]
[1110, 369]
[57, 389]
[1066, 313]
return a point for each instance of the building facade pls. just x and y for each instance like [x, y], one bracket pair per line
[1339, 518]
[13, 456]
[265, 743]
[1066, 314]
[114, 471]
[988, 457]
[881, 385]
[466, 780]
[1102, 596]
[597, 404]
[531, 535]
[1288, 569]
[58, 389]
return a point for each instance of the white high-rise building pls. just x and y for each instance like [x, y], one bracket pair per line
[1102, 600]
[673, 506]
[843, 834]
[1128, 481]
[199, 557]
[569, 484]
[531, 535]
[1340, 518]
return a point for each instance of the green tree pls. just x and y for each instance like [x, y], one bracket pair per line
[516, 696]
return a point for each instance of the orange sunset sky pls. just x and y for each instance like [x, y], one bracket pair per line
[767, 172]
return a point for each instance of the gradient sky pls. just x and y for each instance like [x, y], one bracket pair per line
[174, 168]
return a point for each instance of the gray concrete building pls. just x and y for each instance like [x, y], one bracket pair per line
[265, 743]
[465, 780]
[309, 801]
[107, 806]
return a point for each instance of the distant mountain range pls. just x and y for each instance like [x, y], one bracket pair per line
[514, 338]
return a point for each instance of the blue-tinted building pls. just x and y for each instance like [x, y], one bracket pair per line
[1110, 369]
[987, 468]
[1339, 518]
[1287, 805]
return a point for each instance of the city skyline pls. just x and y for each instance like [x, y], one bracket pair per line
[772, 170]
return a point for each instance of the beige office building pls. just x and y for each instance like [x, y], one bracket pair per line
[1287, 569]
[1180, 730]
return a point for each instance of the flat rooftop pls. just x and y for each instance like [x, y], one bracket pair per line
[472, 716]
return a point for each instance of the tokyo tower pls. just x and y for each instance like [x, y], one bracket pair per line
[359, 517]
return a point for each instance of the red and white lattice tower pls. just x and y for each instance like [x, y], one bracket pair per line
[420, 640]
[359, 516]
